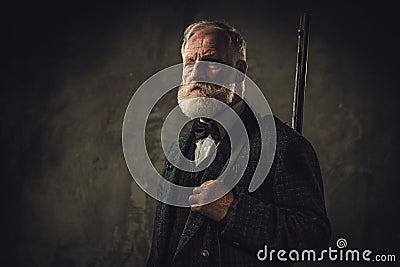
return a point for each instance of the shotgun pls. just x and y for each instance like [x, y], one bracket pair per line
[301, 73]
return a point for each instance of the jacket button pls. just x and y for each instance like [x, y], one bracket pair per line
[205, 253]
[169, 167]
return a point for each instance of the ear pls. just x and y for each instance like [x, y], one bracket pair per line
[241, 65]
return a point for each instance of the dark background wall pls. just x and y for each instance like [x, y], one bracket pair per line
[70, 68]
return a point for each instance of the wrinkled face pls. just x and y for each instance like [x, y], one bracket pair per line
[210, 46]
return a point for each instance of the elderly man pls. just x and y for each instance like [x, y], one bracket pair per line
[286, 211]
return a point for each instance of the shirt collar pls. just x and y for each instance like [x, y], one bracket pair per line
[238, 108]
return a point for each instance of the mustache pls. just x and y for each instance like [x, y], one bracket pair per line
[206, 89]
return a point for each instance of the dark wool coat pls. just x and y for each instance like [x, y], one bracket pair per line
[286, 211]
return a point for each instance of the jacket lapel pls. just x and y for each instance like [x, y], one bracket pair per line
[164, 210]
[195, 220]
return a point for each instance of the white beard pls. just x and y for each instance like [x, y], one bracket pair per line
[195, 103]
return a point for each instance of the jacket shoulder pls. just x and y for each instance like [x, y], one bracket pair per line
[284, 132]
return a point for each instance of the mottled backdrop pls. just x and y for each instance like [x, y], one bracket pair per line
[70, 68]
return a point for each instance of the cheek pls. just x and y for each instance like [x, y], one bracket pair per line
[183, 91]
[180, 94]
[185, 77]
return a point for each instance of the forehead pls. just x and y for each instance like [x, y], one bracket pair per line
[207, 40]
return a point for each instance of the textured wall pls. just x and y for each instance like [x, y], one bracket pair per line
[72, 68]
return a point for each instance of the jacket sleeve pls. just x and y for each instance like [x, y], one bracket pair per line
[154, 255]
[296, 216]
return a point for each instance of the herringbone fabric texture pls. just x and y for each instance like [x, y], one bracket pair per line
[286, 211]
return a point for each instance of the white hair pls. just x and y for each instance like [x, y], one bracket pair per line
[236, 40]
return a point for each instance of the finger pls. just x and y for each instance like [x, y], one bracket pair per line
[203, 190]
[195, 208]
[197, 190]
[208, 182]
[194, 199]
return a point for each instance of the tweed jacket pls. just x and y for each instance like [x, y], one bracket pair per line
[287, 211]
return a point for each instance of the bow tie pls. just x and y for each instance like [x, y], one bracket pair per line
[204, 128]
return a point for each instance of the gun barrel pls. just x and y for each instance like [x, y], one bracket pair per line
[301, 72]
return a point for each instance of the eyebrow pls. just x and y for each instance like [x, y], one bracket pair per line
[207, 57]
